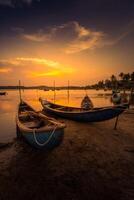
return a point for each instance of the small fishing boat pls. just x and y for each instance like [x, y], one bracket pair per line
[119, 98]
[86, 103]
[125, 98]
[78, 114]
[105, 89]
[37, 129]
[46, 89]
[116, 97]
[3, 93]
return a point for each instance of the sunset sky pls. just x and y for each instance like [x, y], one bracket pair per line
[83, 41]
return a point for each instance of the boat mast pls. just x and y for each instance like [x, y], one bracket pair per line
[23, 87]
[20, 91]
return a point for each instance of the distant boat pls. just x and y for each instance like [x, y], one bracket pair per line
[86, 103]
[119, 98]
[78, 114]
[125, 98]
[116, 97]
[37, 129]
[3, 93]
[105, 89]
[45, 89]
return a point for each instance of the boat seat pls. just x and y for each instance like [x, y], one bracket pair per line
[24, 117]
[60, 108]
[23, 106]
[34, 124]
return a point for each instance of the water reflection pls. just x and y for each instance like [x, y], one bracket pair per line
[8, 105]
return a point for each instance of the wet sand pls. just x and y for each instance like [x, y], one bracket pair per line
[93, 162]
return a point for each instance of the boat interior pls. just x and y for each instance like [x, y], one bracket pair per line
[71, 109]
[30, 119]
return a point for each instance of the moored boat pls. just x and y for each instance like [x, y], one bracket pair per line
[119, 98]
[116, 97]
[78, 114]
[3, 93]
[37, 129]
[46, 89]
[86, 103]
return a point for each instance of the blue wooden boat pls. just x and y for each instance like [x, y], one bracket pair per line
[78, 114]
[37, 129]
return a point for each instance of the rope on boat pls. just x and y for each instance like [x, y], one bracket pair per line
[46, 142]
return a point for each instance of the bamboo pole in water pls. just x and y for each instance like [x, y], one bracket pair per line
[20, 91]
[23, 87]
[68, 94]
[54, 91]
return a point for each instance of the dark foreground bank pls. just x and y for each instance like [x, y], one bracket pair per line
[93, 162]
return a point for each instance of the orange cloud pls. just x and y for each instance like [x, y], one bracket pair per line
[37, 37]
[5, 70]
[37, 67]
[58, 72]
[40, 61]
[42, 74]
[73, 37]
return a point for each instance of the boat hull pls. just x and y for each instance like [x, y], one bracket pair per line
[89, 117]
[42, 137]
[94, 115]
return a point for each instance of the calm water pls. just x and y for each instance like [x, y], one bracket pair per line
[8, 105]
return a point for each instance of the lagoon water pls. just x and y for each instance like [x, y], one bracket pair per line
[9, 103]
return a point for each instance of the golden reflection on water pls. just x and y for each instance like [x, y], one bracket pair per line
[61, 97]
[8, 105]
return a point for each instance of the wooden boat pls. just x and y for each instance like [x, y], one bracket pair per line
[78, 114]
[105, 89]
[119, 98]
[3, 93]
[46, 89]
[116, 97]
[86, 103]
[37, 129]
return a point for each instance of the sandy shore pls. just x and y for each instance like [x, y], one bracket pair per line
[93, 162]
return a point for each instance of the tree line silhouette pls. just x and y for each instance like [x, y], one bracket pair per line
[122, 81]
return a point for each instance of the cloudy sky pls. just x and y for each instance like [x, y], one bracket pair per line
[78, 40]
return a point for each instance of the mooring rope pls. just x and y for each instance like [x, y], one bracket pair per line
[46, 142]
